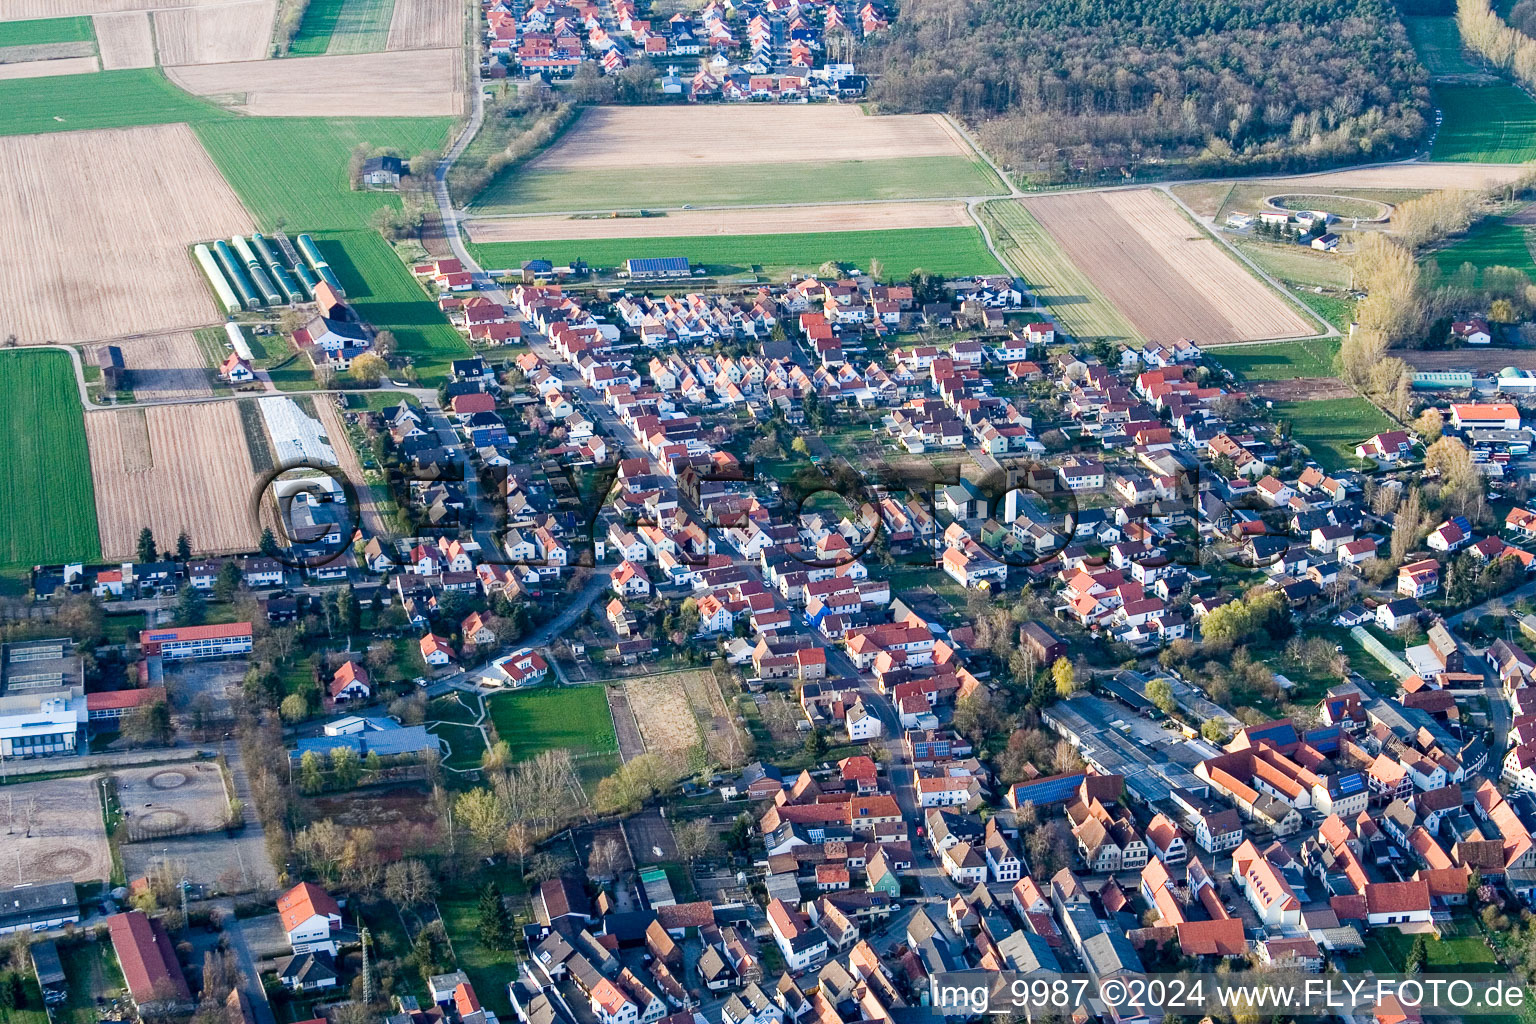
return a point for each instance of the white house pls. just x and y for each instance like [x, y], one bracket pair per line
[863, 724]
[311, 918]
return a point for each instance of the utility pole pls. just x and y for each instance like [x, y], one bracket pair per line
[367, 968]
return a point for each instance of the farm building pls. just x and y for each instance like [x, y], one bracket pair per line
[109, 359]
[148, 960]
[383, 171]
[657, 267]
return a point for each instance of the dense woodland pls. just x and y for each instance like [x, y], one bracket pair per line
[1072, 89]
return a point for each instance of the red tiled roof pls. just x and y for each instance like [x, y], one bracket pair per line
[148, 959]
[215, 632]
[304, 901]
[123, 698]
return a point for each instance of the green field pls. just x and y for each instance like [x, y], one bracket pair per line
[953, 252]
[362, 26]
[314, 34]
[575, 718]
[920, 177]
[1485, 124]
[384, 293]
[46, 30]
[1438, 42]
[46, 491]
[1284, 360]
[1296, 264]
[1490, 243]
[104, 99]
[1331, 427]
[1080, 308]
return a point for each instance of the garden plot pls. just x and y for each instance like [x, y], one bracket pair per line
[89, 252]
[51, 830]
[660, 704]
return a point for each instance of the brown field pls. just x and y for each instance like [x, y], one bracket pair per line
[1482, 360]
[661, 706]
[336, 432]
[215, 35]
[426, 24]
[400, 816]
[419, 83]
[1167, 276]
[185, 798]
[47, 51]
[48, 68]
[68, 838]
[22, 10]
[126, 40]
[739, 133]
[88, 252]
[765, 220]
[1415, 175]
[199, 478]
[1301, 389]
[166, 367]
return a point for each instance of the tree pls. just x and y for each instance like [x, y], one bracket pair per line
[1417, 958]
[148, 725]
[409, 883]
[311, 773]
[800, 448]
[1063, 678]
[369, 369]
[694, 838]
[146, 546]
[520, 842]
[495, 929]
[1214, 731]
[1160, 693]
[1429, 425]
[345, 767]
[816, 742]
[191, 606]
[482, 814]
[384, 343]
[183, 547]
[294, 708]
[227, 583]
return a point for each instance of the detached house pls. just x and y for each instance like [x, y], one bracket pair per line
[311, 918]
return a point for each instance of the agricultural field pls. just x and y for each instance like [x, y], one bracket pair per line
[660, 705]
[1163, 272]
[49, 68]
[951, 251]
[314, 35]
[172, 468]
[414, 83]
[1330, 428]
[166, 367]
[1438, 43]
[726, 221]
[426, 24]
[45, 30]
[1485, 124]
[1076, 303]
[1496, 242]
[72, 226]
[575, 718]
[637, 157]
[1482, 359]
[125, 39]
[1280, 361]
[46, 489]
[362, 26]
[211, 35]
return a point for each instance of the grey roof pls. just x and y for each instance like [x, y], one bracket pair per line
[1109, 952]
[306, 969]
[27, 903]
[45, 961]
[1026, 952]
[411, 739]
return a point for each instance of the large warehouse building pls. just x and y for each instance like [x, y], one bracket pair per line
[42, 699]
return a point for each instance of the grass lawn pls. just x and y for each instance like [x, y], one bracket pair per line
[1490, 243]
[314, 34]
[46, 30]
[953, 252]
[1335, 307]
[915, 177]
[489, 970]
[385, 294]
[92, 970]
[1386, 949]
[31, 1012]
[362, 26]
[121, 629]
[1282, 360]
[575, 718]
[465, 744]
[46, 489]
[1078, 306]
[1331, 428]
[1438, 42]
[1485, 124]
[1296, 264]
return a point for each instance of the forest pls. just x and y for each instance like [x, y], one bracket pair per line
[1081, 90]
